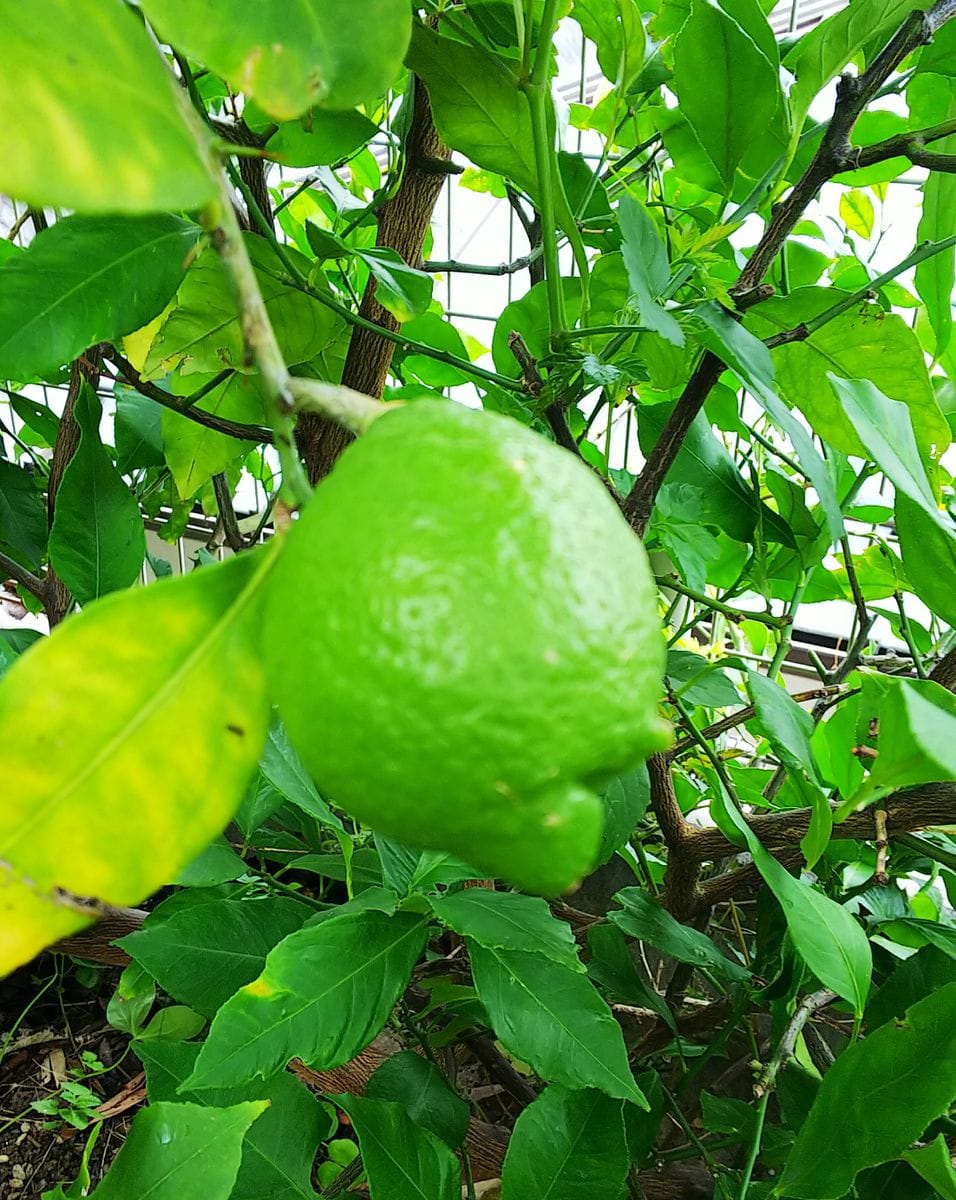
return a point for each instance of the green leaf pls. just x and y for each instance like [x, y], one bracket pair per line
[821, 54]
[567, 1146]
[290, 56]
[648, 921]
[625, 799]
[195, 453]
[320, 138]
[37, 417]
[863, 343]
[935, 277]
[138, 431]
[97, 543]
[917, 742]
[786, 725]
[876, 1100]
[278, 1150]
[885, 428]
[402, 1161]
[677, 520]
[175, 1023]
[87, 280]
[202, 333]
[700, 681]
[827, 938]
[648, 270]
[180, 1152]
[729, 90]
[405, 292]
[423, 1091]
[552, 1018]
[750, 360]
[283, 768]
[408, 870]
[477, 106]
[324, 993]
[612, 966]
[929, 557]
[206, 949]
[912, 978]
[23, 519]
[69, 138]
[509, 921]
[933, 1163]
[616, 29]
[87, 715]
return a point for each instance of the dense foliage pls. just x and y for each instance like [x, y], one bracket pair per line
[754, 990]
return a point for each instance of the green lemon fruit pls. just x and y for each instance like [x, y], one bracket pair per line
[463, 638]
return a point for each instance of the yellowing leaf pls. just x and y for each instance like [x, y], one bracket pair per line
[856, 210]
[129, 736]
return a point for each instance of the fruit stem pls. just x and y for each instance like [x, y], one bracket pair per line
[354, 410]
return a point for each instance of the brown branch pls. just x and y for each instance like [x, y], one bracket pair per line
[227, 514]
[11, 569]
[745, 714]
[185, 405]
[903, 145]
[918, 808]
[403, 222]
[680, 880]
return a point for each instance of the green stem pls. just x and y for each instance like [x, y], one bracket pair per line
[219, 220]
[907, 630]
[783, 645]
[755, 1147]
[535, 88]
[733, 614]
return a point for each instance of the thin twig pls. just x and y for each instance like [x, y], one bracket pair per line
[11, 569]
[807, 1007]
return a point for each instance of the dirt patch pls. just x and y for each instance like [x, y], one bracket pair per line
[57, 1049]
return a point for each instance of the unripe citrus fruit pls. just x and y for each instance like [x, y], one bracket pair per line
[464, 642]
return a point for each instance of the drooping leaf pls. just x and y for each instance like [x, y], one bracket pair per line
[567, 1146]
[750, 360]
[68, 140]
[423, 1091]
[830, 942]
[23, 520]
[180, 1152]
[551, 1017]
[37, 417]
[477, 105]
[202, 334]
[885, 428]
[647, 268]
[278, 1151]
[202, 952]
[97, 543]
[291, 56]
[322, 996]
[167, 674]
[509, 921]
[647, 920]
[613, 968]
[786, 725]
[929, 557]
[936, 276]
[402, 1160]
[728, 89]
[86, 280]
[876, 1100]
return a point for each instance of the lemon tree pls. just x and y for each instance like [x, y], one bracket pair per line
[496, 820]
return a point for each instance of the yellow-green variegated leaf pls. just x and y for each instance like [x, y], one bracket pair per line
[90, 118]
[129, 737]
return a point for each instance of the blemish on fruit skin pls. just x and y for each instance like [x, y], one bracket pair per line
[237, 730]
[551, 656]
[520, 465]
[552, 820]
[259, 987]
